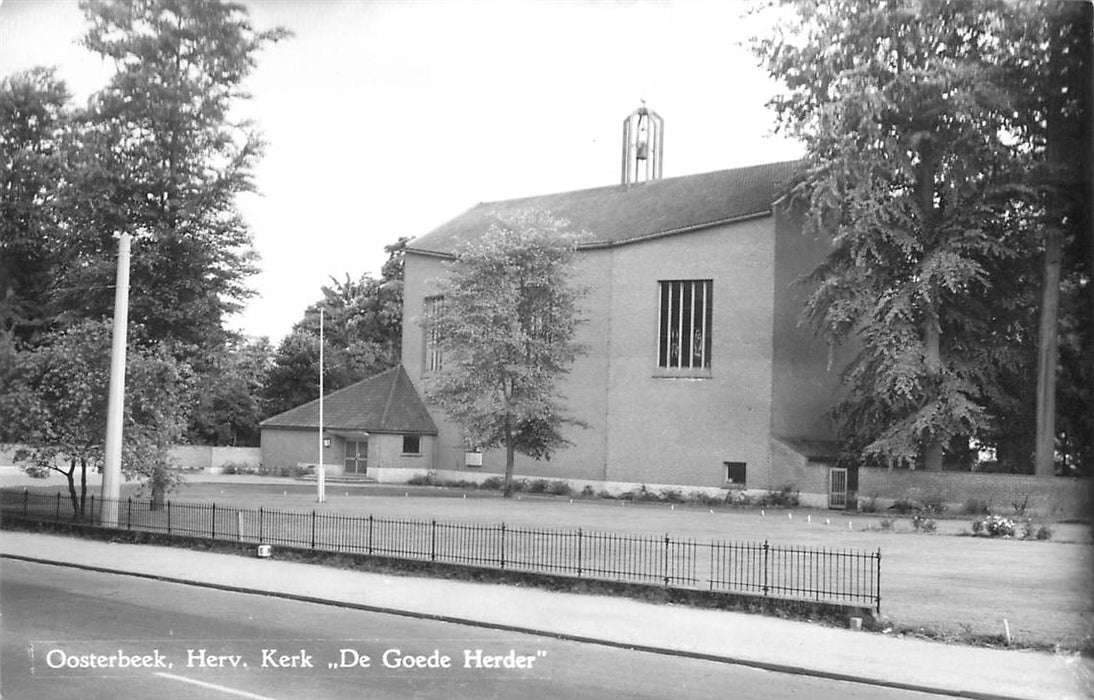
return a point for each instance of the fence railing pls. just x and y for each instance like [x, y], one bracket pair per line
[775, 571]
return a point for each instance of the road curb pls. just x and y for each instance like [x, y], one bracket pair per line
[717, 658]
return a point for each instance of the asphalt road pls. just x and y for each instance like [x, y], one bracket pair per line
[69, 633]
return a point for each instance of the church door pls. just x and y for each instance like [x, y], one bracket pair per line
[356, 456]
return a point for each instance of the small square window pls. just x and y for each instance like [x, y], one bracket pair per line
[735, 473]
[412, 444]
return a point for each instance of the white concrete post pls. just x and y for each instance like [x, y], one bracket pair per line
[112, 454]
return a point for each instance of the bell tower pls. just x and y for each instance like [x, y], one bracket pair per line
[643, 137]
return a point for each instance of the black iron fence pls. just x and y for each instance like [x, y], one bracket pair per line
[800, 573]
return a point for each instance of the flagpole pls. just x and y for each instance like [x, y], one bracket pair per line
[321, 472]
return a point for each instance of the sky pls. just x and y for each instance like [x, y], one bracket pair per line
[387, 118]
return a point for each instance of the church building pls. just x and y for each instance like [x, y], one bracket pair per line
[696, 371]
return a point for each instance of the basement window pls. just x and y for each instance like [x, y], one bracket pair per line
[412, 444]
[735, 473]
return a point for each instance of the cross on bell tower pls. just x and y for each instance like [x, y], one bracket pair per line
[643, 136]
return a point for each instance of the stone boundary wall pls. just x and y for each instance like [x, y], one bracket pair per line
[1057, 497]
[208, 457]
[189, 456]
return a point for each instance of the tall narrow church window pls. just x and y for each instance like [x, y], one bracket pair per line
[683, 340]
[434, 307]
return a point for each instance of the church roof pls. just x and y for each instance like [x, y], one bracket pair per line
[384, 403]
[622, 214]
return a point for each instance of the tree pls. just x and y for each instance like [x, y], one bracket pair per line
[160, 157]
[228, 408]
[506, 331]
[916, 170]
[1058, 129]
[362, 323]
[60, 389]
[34, 121]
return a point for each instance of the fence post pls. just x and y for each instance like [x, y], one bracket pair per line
[502, 562]
[57, 514]
[433, 541]
[313, 528]
[26, 495]
[579, 552]
[129, 513]
[260, 532]
[239, 526]
[765, 567]
[879, 580]
[370, 534]
[93, 518]
[169, 517]
[665, 561]
[213, 531]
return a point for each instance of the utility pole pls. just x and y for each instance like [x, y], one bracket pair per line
[115, 411]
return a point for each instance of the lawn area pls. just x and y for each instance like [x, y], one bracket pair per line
[948, 584]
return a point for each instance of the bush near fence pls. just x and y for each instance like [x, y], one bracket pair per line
[845, 577]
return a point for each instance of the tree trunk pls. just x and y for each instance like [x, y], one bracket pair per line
[1047, 358]
[932, 446]
[70, 476]
[510, 453]
[158, 493]
[83, 488]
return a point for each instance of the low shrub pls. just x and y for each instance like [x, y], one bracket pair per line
[886, 523]
[672, 496]
[705, 499]
[905, 505]
[993, 526]
[422, 480]
[868, 505]
[934, 505]
[559, 488]
[538, 486]
[604, 494]
[588, 491]
[642, 495]
[492, 483]
[1036, 531]
[1020, 507]
[974, 506]
[37, 471]
[924, 524]
[784, 497]
[739, 498]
